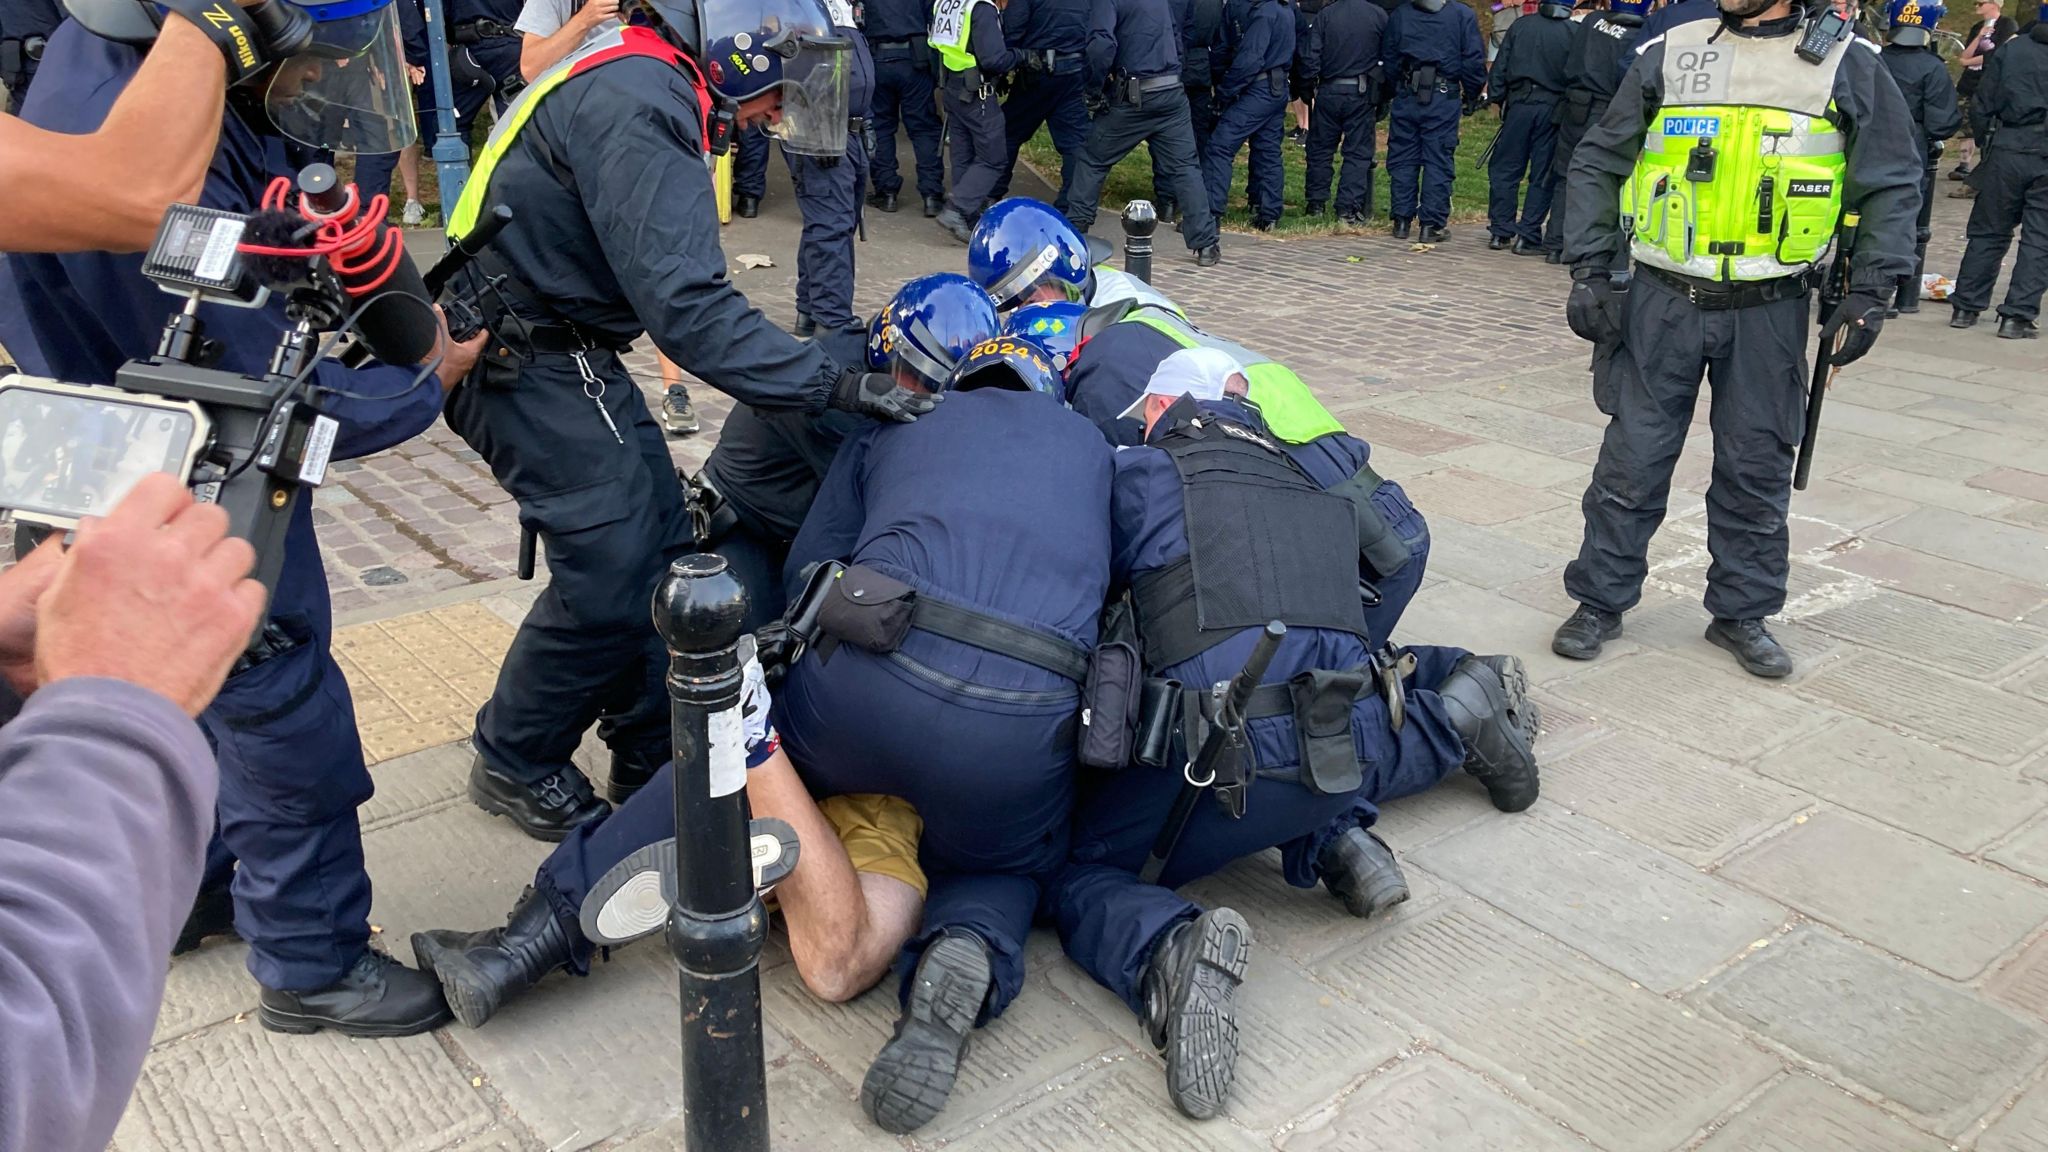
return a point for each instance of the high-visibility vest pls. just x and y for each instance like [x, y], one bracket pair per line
[951, 22]
[1290, 410]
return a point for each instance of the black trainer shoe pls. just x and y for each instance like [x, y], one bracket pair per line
[1359, 869]
[1524, 248]
[678, 415]
[378, 999]
[1753, 647]
[2017, 328]
[213, 914]
[1494, 243]
[1431, 234]
[884, 201]
[1963, 318]
[1477, 697]
[746, 206]
[547, 810]
[1582, 635]
[481, 971]
[1399, 231]
[1190, 997]
[1209, 257]
[955, 225]
[907, 1085]
[806, 325]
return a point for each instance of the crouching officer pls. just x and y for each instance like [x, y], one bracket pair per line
[1605, 42]
[973, 60]
[1432, 53]
[1338, 725]
[1527, 82]
[1051, 85]
[905, 92]
[1257, 50]
[581, 271]
[1772, 107]
[2010, 183]
[1343, 66]
[25, 27]
[828, 192]
[1930, 93]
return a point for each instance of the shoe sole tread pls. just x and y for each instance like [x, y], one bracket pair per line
[912, 1077]
[1201, 1031]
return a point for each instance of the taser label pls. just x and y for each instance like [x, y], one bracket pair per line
[726, 734]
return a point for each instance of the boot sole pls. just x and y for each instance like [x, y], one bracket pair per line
[497, 807]
[1728, 646]
[1201, 1031]
[294, 1024]
[467, 993]
[908, 1084]
[629, 902]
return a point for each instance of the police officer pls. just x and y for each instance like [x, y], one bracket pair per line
[586, 270]
[25, 27]
[1050, 87]
[1605, 41]
[1343, 70]
[292, 776]
[1023, 252]
[973, 60]
[1201, 26]
[2012, 184]
[828, 195]
[1526, 84]
[1253, 58]
[1722, 286]
[482, 39]
[904, 91]
[1134, 52]
[1430, 55]
[1931, 101]
[1208, 457]
[749, 172]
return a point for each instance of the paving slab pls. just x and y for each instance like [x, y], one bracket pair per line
[1970, 717]
[463, 869]
[1564, 728]
[1941, 578]
[1454, 613]
[1477, 498]
[1668, 796]
[1933, 792]
[1484, 419]
[1802, 1114]
[1995, 448]
[2017, 552]
[1412, 821]
[807, 1111]
[2013, 482]
[1679, 626]
[411, 784]
[1428, 1104]
[2022, 984]
[2026, 852]
[1955, 495]
[2024, 1129]
[1630, 1070]
[1118, 1106]
[205, 987]
[1841, 502]
[1961, 642]
[1303, 924]
[1518, 465]
[1487, 558]
[1939, 1052]
[1895, 891]
[1697, 705]
[1880, 425]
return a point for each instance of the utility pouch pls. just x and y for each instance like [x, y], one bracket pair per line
[1578, 106]
[13, 60]
[1422, 81]
[1322, 726]
[1133, 93]
[802, 617]
[497, 367]
[866, 609]
[1110, 709]
[1383, 552]
[1159, 703]
[921, 54]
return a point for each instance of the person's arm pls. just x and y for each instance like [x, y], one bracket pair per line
[107, 190]
[1604, 158]
[991, 54]
[1503, 71]
[548, 38]
[1474, 53]
[1944, 116]
[1312, 56]
[1101, 51]
[1247, 59]
[1882, 180]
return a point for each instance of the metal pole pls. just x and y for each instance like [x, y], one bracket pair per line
[451, 151]
[1139, 222]
[716, 925]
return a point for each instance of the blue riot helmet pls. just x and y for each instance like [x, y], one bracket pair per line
[877, 355]
[1020, 244]
[932, 323]
[1017, 363]
[1055, 325]
[751, 49]
[1912, 22]
[1629, 7]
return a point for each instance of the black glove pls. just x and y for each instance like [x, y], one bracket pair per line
[1861, 314]
[1595, 308]
[1097, 104]
[1036, 62]
[774, 646]
[1471, 105]
[873, 394]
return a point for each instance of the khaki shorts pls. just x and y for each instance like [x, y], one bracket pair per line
[880, 834]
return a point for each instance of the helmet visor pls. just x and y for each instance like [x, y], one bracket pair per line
[815, 104]
[348, 90]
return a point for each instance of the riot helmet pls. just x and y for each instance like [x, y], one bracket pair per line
[1015, 363]
[1912, 21]
[931, 324]
[755, 48]
[1555, 11]
[1636, 8]
[876, 355]
[1020, 245]
[1054, 325]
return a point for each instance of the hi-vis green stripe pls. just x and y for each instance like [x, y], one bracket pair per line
[1290, 410]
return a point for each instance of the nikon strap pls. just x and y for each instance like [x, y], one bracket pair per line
[246, 49]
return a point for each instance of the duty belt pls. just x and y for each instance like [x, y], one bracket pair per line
[999, 636]
[563, 339]
[484, 29]
[1386, 667]
[1054, 58]
[1345, 84]
[1714, 296]
[1159, 83]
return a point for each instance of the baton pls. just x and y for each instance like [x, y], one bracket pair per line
[1834, 289]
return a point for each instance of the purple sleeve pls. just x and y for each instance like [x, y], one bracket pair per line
[106, 803]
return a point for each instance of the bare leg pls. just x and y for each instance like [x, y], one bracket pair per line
[409, 171]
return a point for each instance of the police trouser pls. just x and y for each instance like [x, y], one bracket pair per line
[1257, 116]
[1527, 144]
[291, 779]
[1909, 286]
[1202, 117]
[1159, 120]
[566, 877]
[16, 70]
[904, 91]
[975, 126]
[1346, 118]
[991, 772]
[1397, 588]
[1755, 358]
[1109, 920]
[2012, 192]
[1423, 138]
[611, 516]
[829, 198]
[750, 164]
[1569, 132]
[1058, 100]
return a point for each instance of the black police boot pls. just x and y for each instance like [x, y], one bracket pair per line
[1209, 257]
[1431, 234]
[886, 201]
[1493, 243]
[1313, 208]
[678, 415]
[1264, 225]
[1359, 869]
[1190, 996]
[1400, 229]
[1481, 702]
[2017, 328]
[548, 810]
[1908, 301]
[907, 1085]
[379, 998]
[1169, 212]
[1753, 647]
[1555, 256]
[480, 971]
[806, 325]
[1524, 248]
[213, 914]
[1964, 318]
[955, 225]
[933, 205]
[629, 774]
[1352, 219]
[1581, 636]
[746, 206]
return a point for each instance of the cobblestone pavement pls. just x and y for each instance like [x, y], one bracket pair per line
[1803, 917]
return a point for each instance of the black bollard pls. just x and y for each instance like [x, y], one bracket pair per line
[716, 925]
[1139, 222]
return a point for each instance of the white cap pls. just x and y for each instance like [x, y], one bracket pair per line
[1203, 373]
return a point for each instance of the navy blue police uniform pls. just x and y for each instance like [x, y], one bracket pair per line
[1254, 55]
[1605, 43]
[974, 120]
[749, 168]
[1201, 25]
[2012, 187]
[828, 192]
[1931, 101]
[484, 30]
[1050, 86]
[1342, 68]
[998, 502]
[1527, 84]
[291, 763]
[1434, 60]
[25, 27]
[905, 93]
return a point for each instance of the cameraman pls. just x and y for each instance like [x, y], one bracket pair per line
[106, 795]
[291, 763]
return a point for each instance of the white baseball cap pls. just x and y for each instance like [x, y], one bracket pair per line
[1203, 373]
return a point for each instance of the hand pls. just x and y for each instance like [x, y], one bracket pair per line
[1861, 314]
[416, 74]
[157, 594]
[596, 12]
[879, 396]
[456, 359]
[1595, 308]
[20, 587]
